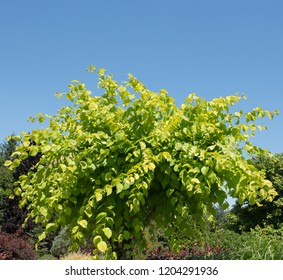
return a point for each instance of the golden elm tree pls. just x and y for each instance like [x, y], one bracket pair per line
[113, 162]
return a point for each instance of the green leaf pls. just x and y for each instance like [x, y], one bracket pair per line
[126, 235]
[72, 168]
[7, 192]
[75, 229]
[50, 226]
[17, 191]
[43, 211]
[173, 200]
[91, 68]
[79, 236]
[84, 165]
[42, 236]
[119, 135]
[102, 246]
[101, 71]
[272, 192]
[34, 150]
[108, 189]
[142, 145]
[263, 193]
[40, 117]
[70, 161]
[88, 212]
[100, 217]
[120, 237]
[126, 184]
[15, 154]
[107, 231]
[83, 223]
[167, 156]
[204, 170]
[196, 180]
[46, 148]
[16, 163]
[59, 207]
[66, 194]
[97, 239]
[63, 167]
[98, 194]
[26, 143]
[136, 205]
[151, 166]
[58, 95]
[119, 188]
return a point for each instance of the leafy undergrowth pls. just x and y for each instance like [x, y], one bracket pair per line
[195, 253]
[258, 244]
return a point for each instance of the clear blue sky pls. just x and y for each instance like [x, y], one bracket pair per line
[214, 48]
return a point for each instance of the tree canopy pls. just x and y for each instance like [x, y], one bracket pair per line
[111, 163]
[6, 176]
[248, 216]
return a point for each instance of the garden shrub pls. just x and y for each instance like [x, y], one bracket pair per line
[259, 244]
[194, 253]
[13, 247]
[44, 247]
[184, 236]
[268, 232]
[61, 244]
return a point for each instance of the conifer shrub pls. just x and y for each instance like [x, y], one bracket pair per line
[60, 244]
[13, 247]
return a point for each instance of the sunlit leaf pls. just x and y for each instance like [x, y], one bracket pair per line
[83, 223]
[102, 246]
[107, 231]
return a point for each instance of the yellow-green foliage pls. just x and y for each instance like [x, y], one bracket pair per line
[109, 164]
